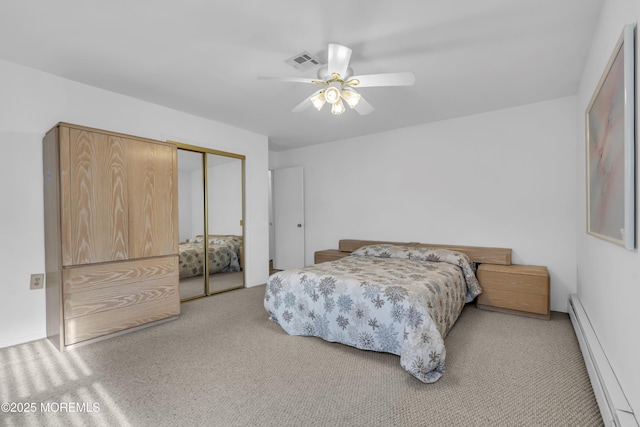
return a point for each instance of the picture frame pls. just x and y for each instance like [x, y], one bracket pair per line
[610, 146]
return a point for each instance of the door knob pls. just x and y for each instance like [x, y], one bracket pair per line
[299, 225]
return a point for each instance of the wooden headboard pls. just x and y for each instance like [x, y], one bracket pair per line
[477, 254]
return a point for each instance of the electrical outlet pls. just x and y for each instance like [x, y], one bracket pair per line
[37, 281]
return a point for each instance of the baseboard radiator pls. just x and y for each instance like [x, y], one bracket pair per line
[612, 402]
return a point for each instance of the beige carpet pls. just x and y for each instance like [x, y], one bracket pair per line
[223, 363]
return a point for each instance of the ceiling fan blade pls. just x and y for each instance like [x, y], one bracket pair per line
[288, 79]
[338, 61]
[363, 107]
[386, 79]
[306, 103]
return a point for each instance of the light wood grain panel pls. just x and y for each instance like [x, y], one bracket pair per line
[116, 134]
[91, 277]
[152, 199]
[350, 245]
[107, 322]
[477, 254]
[514, 301]
[526, 270]
[328, 255]
[518, 289]
[99, 214]
[65, 196]
[105, 299]
[516, 282]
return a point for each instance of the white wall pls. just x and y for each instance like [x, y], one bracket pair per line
[504, 178]
[608, 275]
[31, 103]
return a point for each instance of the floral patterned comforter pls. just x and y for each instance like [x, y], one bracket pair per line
[222, 258]
[394, 299]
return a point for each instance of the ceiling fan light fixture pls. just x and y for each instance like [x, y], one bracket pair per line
[350, 97]
[318, 100]
[338, 107]
[332, 95]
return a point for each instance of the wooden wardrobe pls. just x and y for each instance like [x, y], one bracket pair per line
[111, 233]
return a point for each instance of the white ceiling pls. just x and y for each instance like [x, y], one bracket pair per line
[204, 56]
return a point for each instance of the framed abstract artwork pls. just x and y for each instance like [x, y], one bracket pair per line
[610, 140]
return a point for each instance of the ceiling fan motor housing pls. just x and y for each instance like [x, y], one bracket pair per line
[323, 73]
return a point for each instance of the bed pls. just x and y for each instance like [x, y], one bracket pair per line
[396, 298]
[225, 255]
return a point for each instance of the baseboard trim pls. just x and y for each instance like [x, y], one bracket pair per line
[612, 402]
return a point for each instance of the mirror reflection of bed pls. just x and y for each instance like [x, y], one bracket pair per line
[210, 197]
[225, 264]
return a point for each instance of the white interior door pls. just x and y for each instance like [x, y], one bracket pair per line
[288, 206]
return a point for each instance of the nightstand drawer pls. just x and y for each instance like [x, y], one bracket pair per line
[328, 255]
[516, 289]
[525, 283]
[514, 301]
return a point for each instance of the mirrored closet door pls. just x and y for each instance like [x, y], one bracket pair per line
[211, 221]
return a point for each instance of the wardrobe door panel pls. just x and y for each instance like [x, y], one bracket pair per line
[225, 222]
[97, 186]
[153, 217]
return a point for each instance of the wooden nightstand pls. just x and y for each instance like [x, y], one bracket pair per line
[516, 289]
[328, 255]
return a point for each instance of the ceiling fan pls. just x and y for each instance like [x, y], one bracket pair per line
[339, 84]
